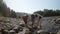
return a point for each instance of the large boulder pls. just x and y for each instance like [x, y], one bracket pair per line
[43, 32]
[58, 32]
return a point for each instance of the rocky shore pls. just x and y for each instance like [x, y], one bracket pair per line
[18, 26]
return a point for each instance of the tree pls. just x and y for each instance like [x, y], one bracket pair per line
[47, 12]
[4, 10]
[13, 14]
[39, 12]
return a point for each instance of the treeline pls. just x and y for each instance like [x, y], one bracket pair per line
[48, 13]
[6, 11]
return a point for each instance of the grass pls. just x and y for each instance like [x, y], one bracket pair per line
[1, 16]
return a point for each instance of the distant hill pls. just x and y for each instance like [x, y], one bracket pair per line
[21, 14]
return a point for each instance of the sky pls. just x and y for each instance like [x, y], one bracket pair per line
[30, 6]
